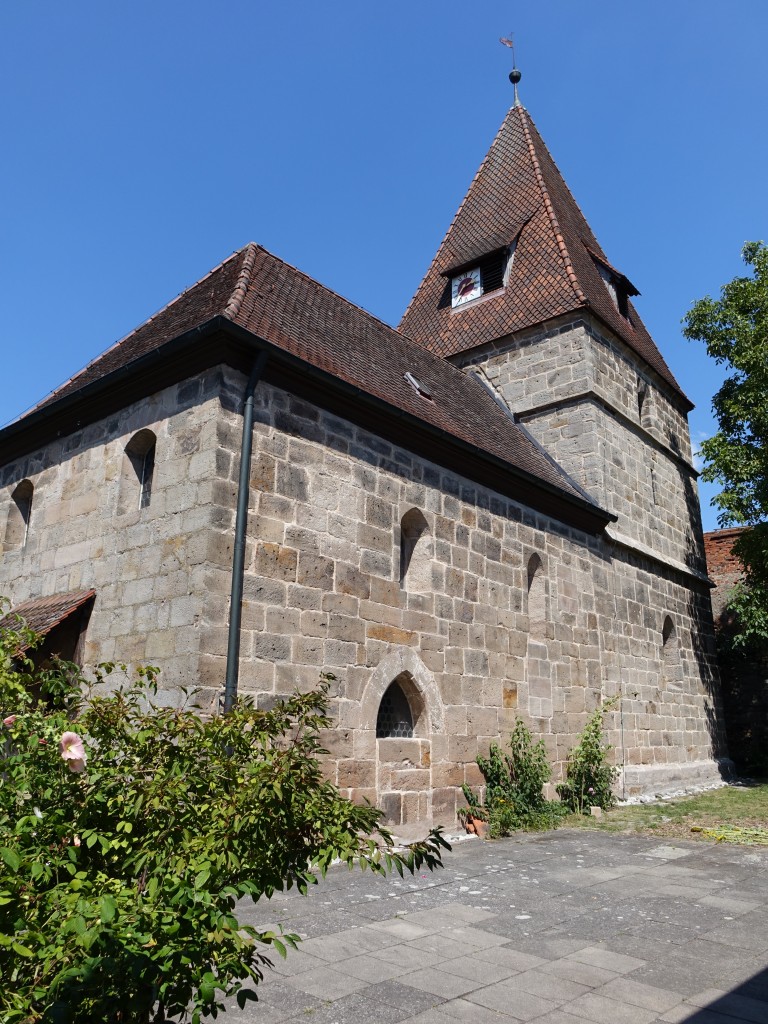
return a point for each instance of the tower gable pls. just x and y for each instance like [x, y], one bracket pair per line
[518, 201]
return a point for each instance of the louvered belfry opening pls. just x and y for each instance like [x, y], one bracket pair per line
[394, 719]
[492, 270]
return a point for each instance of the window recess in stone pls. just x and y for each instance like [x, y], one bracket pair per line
[479, 277]
[394, 719]
[138, 472]
[618, 286]
[19, 516]
[536, 598]
[415, 552]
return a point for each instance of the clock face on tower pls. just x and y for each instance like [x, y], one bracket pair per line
[466, 286]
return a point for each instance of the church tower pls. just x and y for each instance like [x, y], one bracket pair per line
[521, 294]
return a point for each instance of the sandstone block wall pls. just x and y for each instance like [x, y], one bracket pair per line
[614, 426]
[478, 645]
[502, 612]
[148, 565]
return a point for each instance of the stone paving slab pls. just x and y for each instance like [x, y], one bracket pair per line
[564, 927]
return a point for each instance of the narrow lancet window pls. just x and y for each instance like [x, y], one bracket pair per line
[537, 598]
[415, 552]
[394, 718]
[19, 516]
[138, 472]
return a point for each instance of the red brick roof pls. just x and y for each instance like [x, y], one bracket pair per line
[277, 303]
[42, 614]
[519, 193]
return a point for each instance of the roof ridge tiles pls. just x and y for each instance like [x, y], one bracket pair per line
[243, 280]
[549, 207]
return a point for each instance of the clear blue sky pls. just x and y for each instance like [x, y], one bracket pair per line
[144, 142]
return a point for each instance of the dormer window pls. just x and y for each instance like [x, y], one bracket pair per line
[485, 275]
[619, 287]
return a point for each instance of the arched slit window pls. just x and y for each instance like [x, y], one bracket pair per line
[537, 598]
[19, 516]
[415, 552]
[138, 471]
[642, 393]
[395, 718]
[671, 664]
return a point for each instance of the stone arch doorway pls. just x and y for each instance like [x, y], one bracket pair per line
[402, 714]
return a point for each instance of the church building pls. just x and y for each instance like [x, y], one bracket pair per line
[488, 512]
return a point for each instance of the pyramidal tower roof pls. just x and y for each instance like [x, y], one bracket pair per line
[518, 202]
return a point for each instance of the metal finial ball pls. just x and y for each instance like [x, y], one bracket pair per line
[514, 76]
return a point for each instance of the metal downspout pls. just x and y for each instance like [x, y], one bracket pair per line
[241, 523]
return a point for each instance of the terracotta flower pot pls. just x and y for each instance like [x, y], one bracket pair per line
[476, 826]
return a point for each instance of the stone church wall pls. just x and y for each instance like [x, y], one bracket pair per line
[501, 612]
[610, 425]
[86, 529]
[479, 643]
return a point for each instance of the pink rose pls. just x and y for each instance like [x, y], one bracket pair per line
[9, 720]
[73, 751]
[76, 840]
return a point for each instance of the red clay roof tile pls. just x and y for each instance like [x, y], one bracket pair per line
[518, 193]
[42, 614]
[277, 303]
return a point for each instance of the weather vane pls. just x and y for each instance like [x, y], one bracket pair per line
[514, 74]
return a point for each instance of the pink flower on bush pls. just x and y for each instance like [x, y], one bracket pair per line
[73, 751]
[9, 720]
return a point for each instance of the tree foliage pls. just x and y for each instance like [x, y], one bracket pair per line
[734, 329]
[130, 831]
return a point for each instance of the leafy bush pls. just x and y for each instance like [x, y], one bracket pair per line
[129, 831]
[589, 775]
[514, 784]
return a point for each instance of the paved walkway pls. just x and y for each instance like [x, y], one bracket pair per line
[560, 928]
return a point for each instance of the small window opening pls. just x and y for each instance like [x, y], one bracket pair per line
[669, 637]
[616, 289]
[395, 718]
[537, 597]
[415, 551]
[145, 477]
[138, 471]
[671, 663]
[19, 516]
[642, 392]
[417, 386]
[490, 274]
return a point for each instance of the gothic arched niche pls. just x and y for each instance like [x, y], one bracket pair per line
[537, 597]
[671, 662]
[19, 515]
[137, 472]
[395, 718]
[415, 552]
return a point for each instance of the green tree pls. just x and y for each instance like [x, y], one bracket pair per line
[734, 329]
[130, 831]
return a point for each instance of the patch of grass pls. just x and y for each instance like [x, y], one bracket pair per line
[742, 805]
